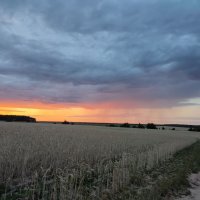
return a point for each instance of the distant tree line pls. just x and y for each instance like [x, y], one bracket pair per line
[142, 126]
[67, 122]
[16, 118]
[124, 125]
[178, 125]
[194, 128]
[148, 126]
[127, 125]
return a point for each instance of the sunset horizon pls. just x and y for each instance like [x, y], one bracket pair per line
[87, 113]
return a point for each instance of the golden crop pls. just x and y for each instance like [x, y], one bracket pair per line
[48, 161]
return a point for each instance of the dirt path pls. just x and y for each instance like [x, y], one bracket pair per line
[195, 188]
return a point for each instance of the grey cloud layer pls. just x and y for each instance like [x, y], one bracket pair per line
[131, 50]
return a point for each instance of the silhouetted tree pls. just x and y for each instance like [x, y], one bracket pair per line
[125, 125]
[141, 126]
[65, 122]
[16, 118]
[112, 125]
[151, 126]
[194, 128]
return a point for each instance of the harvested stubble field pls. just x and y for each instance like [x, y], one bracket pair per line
[48, 161]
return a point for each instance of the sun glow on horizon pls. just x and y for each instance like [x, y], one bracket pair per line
[109, 114]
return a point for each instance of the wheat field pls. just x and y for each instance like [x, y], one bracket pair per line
[54, 161]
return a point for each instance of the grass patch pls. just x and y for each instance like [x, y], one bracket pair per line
[169, 179]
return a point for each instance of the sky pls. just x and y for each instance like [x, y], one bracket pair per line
[101, 60]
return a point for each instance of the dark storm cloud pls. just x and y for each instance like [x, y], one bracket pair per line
[107, 49]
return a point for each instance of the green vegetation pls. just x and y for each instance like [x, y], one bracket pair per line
[168, 179]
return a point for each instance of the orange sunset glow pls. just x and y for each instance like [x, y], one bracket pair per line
[105, 113]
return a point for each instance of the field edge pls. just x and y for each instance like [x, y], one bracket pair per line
[167, 181]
